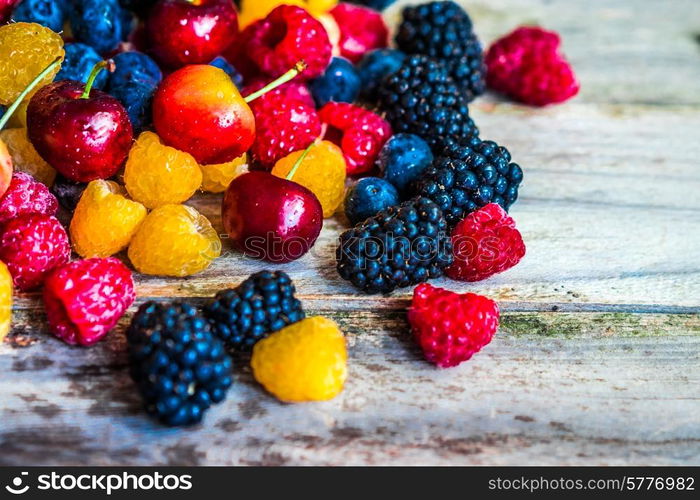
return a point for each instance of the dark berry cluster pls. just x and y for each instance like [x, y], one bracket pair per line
[469, 174]
[401, 246]
[443, 31]
[180, 367]
[421, 98]
[262, 304]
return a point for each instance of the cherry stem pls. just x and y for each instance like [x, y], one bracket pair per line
[6, 117]
[288, 76]
[299, 161]
[109, 64]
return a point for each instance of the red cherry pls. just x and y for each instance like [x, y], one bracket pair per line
[198, 109]
[84, 133]
[271, 218]
[6, 8]
[184, 32]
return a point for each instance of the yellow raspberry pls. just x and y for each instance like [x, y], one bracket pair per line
[322, 171]
[332, 30]
[157, 175]
[104, 220]
[25, 50]
[174, 240]
[252, 10]
[5, 301]
[216, 178]
[305, 361]
[25, 157]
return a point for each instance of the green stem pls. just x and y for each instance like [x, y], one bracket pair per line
[288, 76]
[93, 75]
[299, 161]
[6, 117]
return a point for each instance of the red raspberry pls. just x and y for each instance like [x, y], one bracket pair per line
[361, 30]
[450, 327]
[238, 55]
[504, 57]
[545, 79]
[32, 245]
[361, 134]
[293, 91]
[286, 36]
[485, 243]
[527, 66]
[282, 127]
[26, 196]
[84, 299]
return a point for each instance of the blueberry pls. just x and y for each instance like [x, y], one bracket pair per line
[78, 64]
[375, 66]
[369, 196]
[134, 67]
[374, 4]
[137, 98]
[339, 83]
[128, 21]
[49, 13]
[97, 23]
[402, 159]
[228, 68]
[67, 192]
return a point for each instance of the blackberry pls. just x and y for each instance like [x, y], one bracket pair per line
[180, 367]
[420, 98]
[262, 304]
[443, 31]
[400, 246]
[468, 174]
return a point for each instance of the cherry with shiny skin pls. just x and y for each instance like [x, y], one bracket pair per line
[84, 133]
[271, 218]
[182, 32]
[6, 8]
[199, 110]
[6, 164]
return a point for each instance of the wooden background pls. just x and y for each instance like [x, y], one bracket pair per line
[597, 360]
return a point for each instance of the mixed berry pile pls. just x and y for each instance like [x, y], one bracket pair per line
[115, 113]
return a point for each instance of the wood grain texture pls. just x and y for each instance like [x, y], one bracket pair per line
[552, 388]
[598, 357]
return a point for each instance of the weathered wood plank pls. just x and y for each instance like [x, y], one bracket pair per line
[626, 51]
[552, 388]
[576, 375]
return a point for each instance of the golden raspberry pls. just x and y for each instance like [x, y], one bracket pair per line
[252, 10]
[332, 30]
[104, 220]
[216, 178]
[322, 172]
[25, 157]
[5, 301]
[157, 175]
[305, 361]
[174, 240]
[25, 50]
